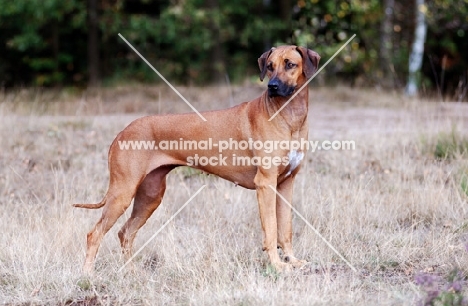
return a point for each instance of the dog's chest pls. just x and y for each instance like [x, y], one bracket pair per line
[294, 160]
[295, 156]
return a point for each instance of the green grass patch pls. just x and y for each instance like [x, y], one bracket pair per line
[271, 272]
[464, 183]
[451, 145]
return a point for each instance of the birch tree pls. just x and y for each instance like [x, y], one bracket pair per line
[417, 49]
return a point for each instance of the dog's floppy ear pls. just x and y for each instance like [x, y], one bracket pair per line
[262, 63]
[310, 61]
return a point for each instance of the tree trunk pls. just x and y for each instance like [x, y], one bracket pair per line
[417, 50]
[285, 7]
[266, 35]
[93, 44]
[285, 13]
[217, 69]
[386, 46]
[56, 49]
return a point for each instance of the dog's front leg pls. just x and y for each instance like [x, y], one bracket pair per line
[284, 217]
[267, 207]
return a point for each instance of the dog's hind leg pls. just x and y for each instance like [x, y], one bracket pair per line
[147, 199]
[118, 198]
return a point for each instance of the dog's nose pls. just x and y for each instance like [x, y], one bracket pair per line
[273, 85]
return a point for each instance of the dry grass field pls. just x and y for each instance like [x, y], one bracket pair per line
[395, 207]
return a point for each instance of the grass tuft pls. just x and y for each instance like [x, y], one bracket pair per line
[84, 284]
[464, 183]
[270, 272]
[451, 145]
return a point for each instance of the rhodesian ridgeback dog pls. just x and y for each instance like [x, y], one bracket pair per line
[140, 174]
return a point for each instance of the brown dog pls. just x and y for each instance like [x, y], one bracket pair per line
[141, 173]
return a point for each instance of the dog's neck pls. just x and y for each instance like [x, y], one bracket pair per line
[294, 114]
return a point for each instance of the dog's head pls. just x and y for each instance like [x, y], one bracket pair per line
[287, 67]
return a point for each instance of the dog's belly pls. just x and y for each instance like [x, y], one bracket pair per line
[242, 176]
[239, 167]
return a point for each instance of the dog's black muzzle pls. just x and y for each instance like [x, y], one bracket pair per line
[278, 88]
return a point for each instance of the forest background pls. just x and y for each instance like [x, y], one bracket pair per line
[75, 43]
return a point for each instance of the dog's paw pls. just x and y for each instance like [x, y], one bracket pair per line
[282, 267]
[296, 263]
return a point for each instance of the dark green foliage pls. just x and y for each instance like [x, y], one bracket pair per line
[44, 43]
[326, 25]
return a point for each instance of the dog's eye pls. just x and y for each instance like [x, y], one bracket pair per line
[270, 67]
[290, 65]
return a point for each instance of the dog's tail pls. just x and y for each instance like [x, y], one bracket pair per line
[91, 206]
